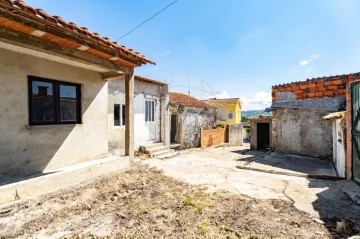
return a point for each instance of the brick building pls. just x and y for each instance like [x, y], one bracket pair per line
[299, 108]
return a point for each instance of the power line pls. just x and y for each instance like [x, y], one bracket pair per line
[138, 26]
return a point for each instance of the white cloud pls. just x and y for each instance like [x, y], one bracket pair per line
[305, 62]
[220, 95]
[259, 101]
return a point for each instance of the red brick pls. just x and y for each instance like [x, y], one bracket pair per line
[319, 94]
[321, 89]
[311, 95]
[320, 83]
[337, 82]
[296, 87]
[298, 92]
[311, 85]
[328, 93]
[282, 89]
[333, 87]
[289, 89]
[303, 87]
[273, 98]
[313, 90]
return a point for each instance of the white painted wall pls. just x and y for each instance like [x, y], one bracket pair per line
[338, 148]
[143, 91]
[25, 149]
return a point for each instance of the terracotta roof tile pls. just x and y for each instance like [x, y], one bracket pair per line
[222, 102]
[20, 5]
[186, 100]
[325, 78]
[147, 80]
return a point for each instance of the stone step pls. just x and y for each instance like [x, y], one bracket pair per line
[159, 153]
[154, 150]
[149, 146]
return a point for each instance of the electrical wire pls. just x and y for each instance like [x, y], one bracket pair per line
[138, 26]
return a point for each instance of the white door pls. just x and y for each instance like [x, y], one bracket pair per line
[150, 119]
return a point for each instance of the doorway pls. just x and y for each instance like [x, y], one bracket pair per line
[263, 136]
[173, 130]
[150, 119]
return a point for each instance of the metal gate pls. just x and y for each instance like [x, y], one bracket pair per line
[355, 100]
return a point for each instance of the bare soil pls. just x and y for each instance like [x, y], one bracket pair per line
[143, 203]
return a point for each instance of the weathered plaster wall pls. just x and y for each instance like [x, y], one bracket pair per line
[191, 120]
[302, 131]
[143, 91]
[25, 149]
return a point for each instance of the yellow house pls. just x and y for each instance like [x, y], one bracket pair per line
[229, 110]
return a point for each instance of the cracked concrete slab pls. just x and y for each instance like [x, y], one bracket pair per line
[293, 165]
[217, 169]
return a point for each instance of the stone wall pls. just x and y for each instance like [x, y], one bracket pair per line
[236, 135]
[192, 119]
[302, 131]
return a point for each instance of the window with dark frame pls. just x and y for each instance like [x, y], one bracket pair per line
[116, 115]
[119, 115]
[53, 102]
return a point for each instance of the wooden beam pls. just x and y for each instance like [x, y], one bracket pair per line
[129, 117]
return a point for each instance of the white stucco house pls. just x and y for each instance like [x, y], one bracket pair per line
[55, 79]
[150, 113]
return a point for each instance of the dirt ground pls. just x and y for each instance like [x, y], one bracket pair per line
[144, 203]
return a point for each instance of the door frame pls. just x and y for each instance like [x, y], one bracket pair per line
[153, 122]
[355, 134]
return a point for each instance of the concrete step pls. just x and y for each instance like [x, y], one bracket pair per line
[150, 146]
[175, 146]
[162, 152]
[154, 150]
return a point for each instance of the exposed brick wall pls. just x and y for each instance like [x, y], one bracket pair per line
[334, 86]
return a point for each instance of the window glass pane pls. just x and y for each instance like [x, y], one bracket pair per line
[68, 92]
[116, 115]
[68, 110]
[43, 109]
[42, 89]
[146, 111]
[123, 112]
[230, 114]
[152, 110]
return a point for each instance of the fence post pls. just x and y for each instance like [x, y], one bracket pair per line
[201, 137]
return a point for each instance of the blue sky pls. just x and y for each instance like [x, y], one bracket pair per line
[236, 48]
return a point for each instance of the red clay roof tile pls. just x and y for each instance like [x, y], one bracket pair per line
[222, 102]
[147, 80]
[186, 100]
[22, 6]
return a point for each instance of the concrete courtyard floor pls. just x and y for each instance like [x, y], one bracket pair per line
[217, 168]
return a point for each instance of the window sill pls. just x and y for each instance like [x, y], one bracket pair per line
[119, 127]
[53, 126]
